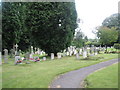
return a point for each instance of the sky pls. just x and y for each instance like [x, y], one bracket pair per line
[93, 12]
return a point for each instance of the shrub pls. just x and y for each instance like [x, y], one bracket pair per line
[117, 46]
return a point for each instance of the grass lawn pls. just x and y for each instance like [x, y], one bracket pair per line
[40, 74]
[104, 78]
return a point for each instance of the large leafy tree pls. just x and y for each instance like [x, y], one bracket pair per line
[49, 26]
[113, 21]
[107, 36]
[52, 25]
[14, 25]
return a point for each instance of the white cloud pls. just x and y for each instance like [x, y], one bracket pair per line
[93, 12]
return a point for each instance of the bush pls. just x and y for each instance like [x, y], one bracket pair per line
[117, 46]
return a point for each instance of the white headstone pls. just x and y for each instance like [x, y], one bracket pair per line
[80, 51]
[5, 56]
[17, 58]
[52, 56]
[84, 54]
[77, 56]
[75, 52]
[70, 53]
[58, 55]
[67, 53]
[44, 58]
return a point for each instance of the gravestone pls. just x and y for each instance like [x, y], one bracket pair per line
[75, 52]
[70, 53]
[5, 56]
[27, 56]
[77, 56]
[84, 53]
[38, 51]
[52, 56]
[31, 55]
[80, 51]
[0, 59]
[67, 53]
[20, 52]
[44, 58]
[32, 50]
[96, 51]
[17, 57]
[63, 54]
[16, 46]
[12, 52]
[58, 55]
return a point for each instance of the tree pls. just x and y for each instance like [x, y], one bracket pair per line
[49, 25]
[78, 40]
[52, 25]
[107, 35]
[113, 21]
[14, 25]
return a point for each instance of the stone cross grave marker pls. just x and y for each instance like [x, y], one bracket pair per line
[16, 46]
[5, 56]
[52, 56]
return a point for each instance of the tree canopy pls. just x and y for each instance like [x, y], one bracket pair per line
[47, 25]
[113, 21]
[107, 36]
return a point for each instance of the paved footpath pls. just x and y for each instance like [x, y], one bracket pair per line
[73, 79]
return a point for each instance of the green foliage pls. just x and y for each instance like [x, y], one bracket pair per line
[117, 46]
[113, 21]
[91, 42]
[107, 36]
[14, 24]
[78, 41]
[44, 21]
[37, 24]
